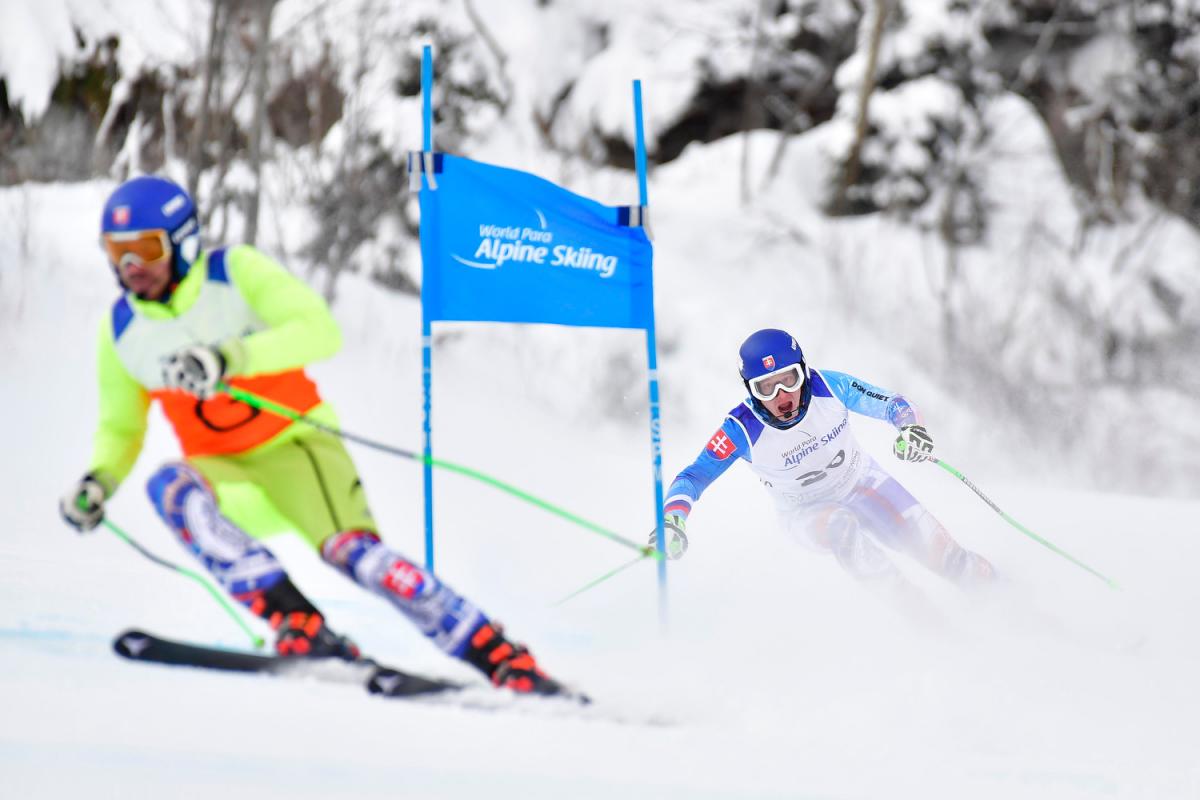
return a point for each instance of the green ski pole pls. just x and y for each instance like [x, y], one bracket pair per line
[220, 598]
[251, 399]
[603, 578]
[1045, 543]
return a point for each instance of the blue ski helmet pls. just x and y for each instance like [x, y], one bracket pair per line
[770, 351]
[149, 202]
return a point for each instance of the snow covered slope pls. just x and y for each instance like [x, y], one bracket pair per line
[776, 677]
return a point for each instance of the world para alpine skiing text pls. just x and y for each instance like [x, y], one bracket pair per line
[530, 246]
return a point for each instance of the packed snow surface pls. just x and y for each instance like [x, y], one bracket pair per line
[774, 675]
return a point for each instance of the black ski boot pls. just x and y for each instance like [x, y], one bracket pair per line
[507, 665]
[301, 630]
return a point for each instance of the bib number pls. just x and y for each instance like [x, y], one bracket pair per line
[809, 478]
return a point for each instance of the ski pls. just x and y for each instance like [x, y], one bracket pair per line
[376, 678]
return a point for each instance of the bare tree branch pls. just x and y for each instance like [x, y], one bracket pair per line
[494, 47]
[263, 11]
[750, 95]
[1032, 64]
[853, 160]
[218, 22]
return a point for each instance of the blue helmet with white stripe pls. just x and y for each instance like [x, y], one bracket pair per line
[770, 361]
[149, 202]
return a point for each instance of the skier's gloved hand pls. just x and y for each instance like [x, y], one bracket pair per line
[913, 444]
[674, 526]
[83, 506]
[196, 370]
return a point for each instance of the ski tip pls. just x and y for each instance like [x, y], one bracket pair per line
[131, 643]
[578, 698]
[394, 683]
[557, 692]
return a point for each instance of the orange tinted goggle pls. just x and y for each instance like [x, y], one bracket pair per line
[145, 246]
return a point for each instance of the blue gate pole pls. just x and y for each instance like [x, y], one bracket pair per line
[426, 385]
[656, 450]
[640, 144]
[651, 364]
[426, 334]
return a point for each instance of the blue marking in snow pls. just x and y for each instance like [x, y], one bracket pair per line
[37, 635]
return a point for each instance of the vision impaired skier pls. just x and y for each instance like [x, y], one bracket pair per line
[189, 319]
[794, 432]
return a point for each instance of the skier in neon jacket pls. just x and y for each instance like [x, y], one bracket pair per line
[188, 320]
[794, 432]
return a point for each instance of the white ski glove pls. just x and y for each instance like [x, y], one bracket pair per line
[913, 444]
[196, 370]
[83, 506]
[674, 525]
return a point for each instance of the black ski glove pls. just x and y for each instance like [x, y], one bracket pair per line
[913, 444]
[196, 370]
[83, 506]
[674, 526]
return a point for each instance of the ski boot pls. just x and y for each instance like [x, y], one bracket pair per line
[507, 665]
[306, 635]
[300, 628]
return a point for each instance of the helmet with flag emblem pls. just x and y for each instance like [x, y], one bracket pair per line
[150, 218]
[772, 362]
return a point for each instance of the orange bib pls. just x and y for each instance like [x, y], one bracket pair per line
[222, 425]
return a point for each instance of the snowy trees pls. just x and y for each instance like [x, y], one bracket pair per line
[1112, 80]
[1082, 276]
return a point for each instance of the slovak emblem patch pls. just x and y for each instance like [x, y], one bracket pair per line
[768, 362]
[404, 579]
[721, 446]
[121, 215]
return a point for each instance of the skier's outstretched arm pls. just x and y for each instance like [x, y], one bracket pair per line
[124, 404]
[300, 330]
[871, 400]
[914, 442]
[723, 448]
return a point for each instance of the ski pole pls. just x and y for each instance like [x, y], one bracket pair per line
[1019, 526]
[602, 578]
[257, 401]
[162, 562]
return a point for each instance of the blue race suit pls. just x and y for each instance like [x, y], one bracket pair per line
[829, 493]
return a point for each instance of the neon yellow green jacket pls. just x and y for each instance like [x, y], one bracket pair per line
[266, 323]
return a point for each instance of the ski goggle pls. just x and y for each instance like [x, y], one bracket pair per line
[146, 246]
[787, 379]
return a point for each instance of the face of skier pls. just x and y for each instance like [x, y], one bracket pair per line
[148, 281]
[784, 405]
[143, 262]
